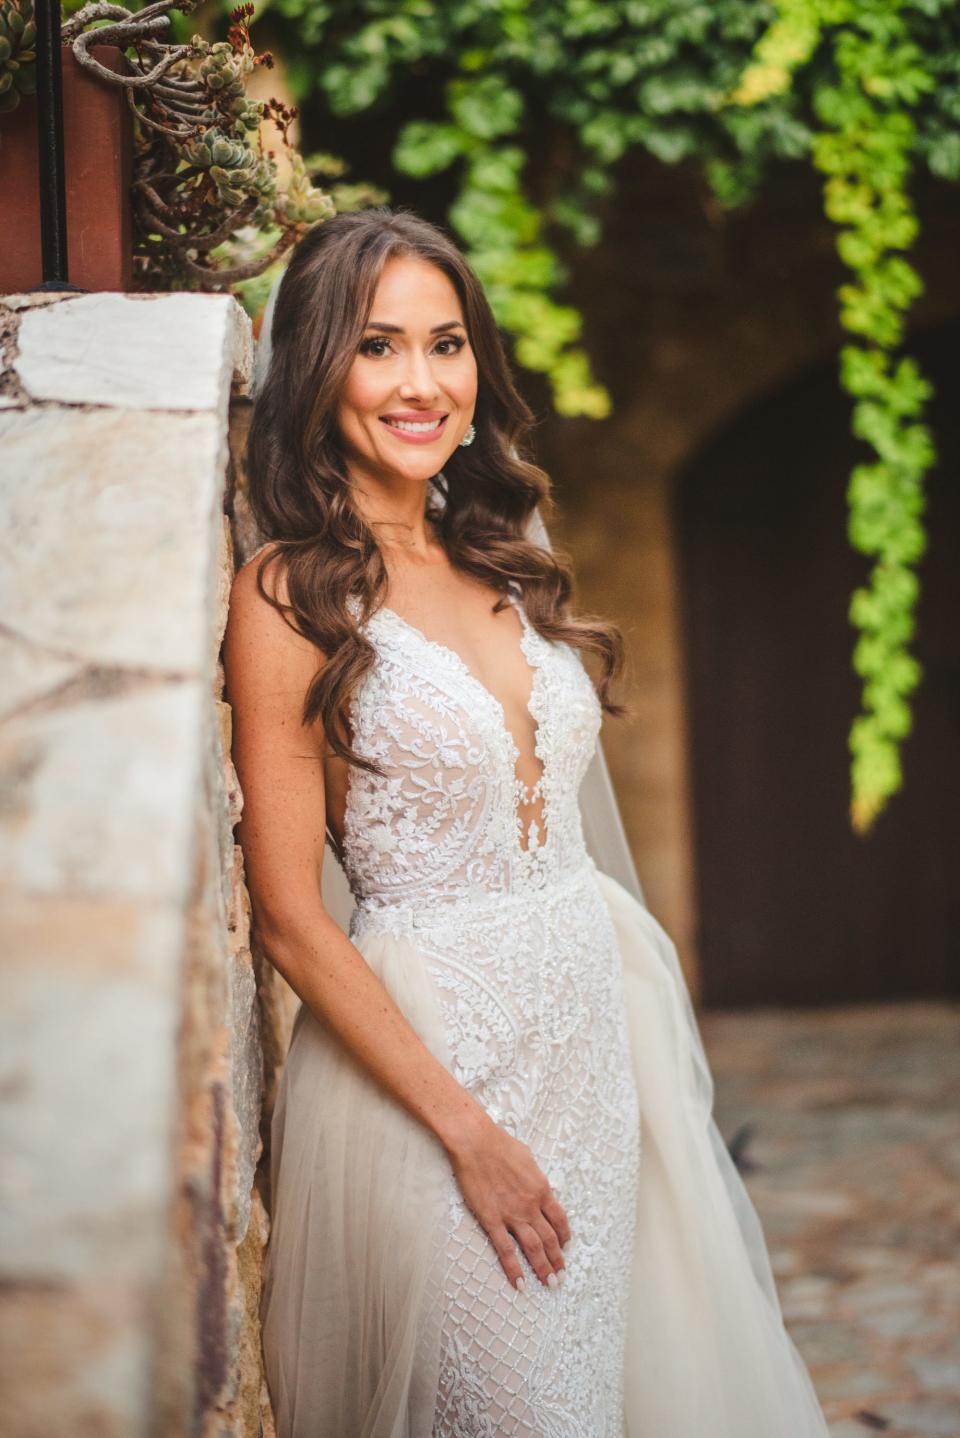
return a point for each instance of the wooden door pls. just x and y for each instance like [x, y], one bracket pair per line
[794, 907]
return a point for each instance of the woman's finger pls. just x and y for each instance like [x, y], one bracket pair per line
[550, 1241]
[555, 1214]
[506, 1251]
[532, 1245]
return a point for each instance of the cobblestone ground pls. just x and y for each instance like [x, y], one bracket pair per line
[849, 1120]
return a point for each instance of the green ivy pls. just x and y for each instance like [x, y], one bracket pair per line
[865, 148]
[530, 104]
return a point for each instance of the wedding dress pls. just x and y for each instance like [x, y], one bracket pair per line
[557, 999]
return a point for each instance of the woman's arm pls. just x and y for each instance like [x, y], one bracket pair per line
[279, 764]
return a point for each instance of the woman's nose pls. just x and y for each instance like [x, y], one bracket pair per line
[419, 380]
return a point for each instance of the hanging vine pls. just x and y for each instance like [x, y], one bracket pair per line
[865, 150]
[865, 90]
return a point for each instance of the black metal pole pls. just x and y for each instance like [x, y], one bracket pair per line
[53, 190]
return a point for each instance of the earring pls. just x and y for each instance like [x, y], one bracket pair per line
[469, 435]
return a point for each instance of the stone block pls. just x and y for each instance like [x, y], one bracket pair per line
[220, 602]
[102, 349]
[90, 994]
[238, 912]
[107, 518]
[75, 1362]
[925, 1417]
[98, 796]
[29, 674]
[246, 1070]
[42, 299]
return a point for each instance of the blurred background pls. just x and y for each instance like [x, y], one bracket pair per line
[579, 155]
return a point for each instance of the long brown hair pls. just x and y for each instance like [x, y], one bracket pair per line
[299, 487]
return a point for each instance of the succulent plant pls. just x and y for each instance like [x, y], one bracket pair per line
[201, 173]
[18, 55]
[209, 209]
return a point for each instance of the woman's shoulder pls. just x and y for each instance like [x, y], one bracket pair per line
[259, 616]
[250, 609]
[245, 587]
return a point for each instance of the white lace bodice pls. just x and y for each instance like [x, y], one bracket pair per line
[444, 823]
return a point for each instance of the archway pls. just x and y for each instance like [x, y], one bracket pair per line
[793, 907]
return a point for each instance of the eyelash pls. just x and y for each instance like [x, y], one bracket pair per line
[456, 340]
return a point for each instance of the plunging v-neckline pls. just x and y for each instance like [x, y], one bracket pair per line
[461, 666]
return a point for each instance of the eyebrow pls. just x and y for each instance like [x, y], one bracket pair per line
[398, 329]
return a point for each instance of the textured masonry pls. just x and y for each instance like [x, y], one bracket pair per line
[134, 1070]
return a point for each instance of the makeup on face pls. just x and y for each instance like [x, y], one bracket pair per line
[411, 391]
[416, 426]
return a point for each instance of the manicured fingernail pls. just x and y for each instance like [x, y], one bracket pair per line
[521, 1283]
[562, 1277]
[553, 1281]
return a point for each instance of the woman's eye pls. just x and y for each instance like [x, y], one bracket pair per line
[372, 346]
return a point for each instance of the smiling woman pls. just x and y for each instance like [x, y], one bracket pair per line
[414, 383]
[465, 1240]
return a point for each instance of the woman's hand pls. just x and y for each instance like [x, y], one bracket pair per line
[507, 1192]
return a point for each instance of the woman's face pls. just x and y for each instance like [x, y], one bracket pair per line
[412, 389]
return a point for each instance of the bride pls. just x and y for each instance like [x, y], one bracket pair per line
[500, 1203]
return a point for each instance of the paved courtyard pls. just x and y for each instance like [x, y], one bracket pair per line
[851, 1153]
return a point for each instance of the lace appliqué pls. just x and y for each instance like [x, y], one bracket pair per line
[445, 824]
[522, 952]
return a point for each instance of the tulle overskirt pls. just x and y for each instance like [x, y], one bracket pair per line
[354, 1267]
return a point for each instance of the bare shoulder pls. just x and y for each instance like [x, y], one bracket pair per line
[262, 648]
[245, 588]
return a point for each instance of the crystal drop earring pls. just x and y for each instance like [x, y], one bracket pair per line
[469, 435]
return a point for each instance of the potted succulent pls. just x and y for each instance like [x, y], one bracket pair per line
[169, 184]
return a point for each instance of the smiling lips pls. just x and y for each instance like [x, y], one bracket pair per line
[416, 426]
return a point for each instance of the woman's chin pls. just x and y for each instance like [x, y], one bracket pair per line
[418, 467]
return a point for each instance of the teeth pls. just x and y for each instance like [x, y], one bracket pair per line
[414, 428]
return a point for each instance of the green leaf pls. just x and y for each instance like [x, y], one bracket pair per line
[425, 148]
[943, 156]
[486, 107]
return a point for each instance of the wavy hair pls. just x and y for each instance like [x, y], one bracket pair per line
[300, 491]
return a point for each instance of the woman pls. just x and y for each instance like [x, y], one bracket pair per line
[500, 1204]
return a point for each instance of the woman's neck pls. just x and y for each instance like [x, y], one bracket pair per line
[397, 516]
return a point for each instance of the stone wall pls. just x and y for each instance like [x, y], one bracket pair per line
[136, 1051]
